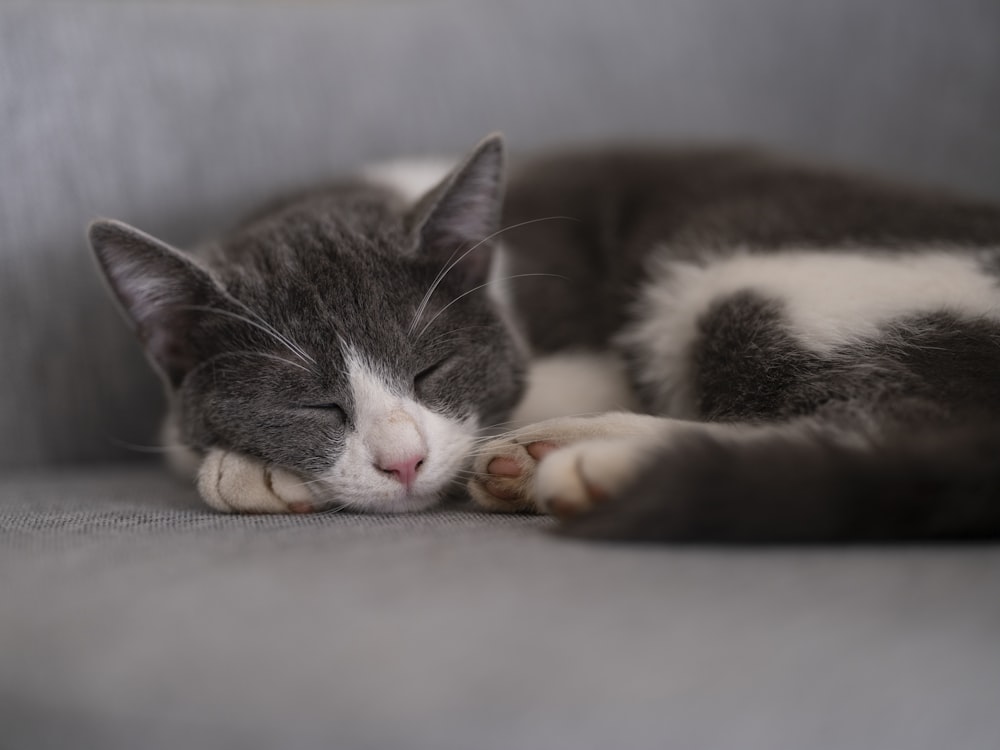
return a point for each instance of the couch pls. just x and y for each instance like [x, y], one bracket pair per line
[131, 616]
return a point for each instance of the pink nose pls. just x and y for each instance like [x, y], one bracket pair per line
[405, 471]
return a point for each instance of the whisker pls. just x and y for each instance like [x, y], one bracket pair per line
[495, 425]
[260, 325]
[267, 355]
[453, 331]
[138, 448]
[524, 429]
[483, 286]
[337, 509]
[296, 348]
[309, 481]
[523, 437]
[450, 264]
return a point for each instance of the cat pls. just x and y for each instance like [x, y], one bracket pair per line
[662, 344]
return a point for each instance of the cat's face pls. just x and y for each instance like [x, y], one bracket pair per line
[308, 338]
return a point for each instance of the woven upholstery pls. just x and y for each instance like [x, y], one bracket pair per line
[132, 618]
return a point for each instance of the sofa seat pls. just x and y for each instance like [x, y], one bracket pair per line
[131, 616]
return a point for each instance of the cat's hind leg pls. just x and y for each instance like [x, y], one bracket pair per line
[234, 483]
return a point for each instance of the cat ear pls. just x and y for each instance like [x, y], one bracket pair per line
[463, 210]
[161, 291]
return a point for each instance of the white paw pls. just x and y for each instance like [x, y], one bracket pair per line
[505, 469]
[505, 474]
[234, 483]
[574, 479]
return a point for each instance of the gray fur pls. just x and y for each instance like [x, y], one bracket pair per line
[349, 266]
[891, 437]
[346, 266]
[698, 202]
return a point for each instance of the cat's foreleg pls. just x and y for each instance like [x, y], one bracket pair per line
[579, 477]
[563, 466]
[234, 483]
[570, 465]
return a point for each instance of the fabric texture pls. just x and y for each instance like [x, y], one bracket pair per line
[131, 617]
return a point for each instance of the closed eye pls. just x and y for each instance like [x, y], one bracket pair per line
[336, 409]
[423, 382]
[428, 371]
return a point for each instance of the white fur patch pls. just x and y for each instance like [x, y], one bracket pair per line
[498, 289]
[582, 474]
[410, 178]
[571, 384]
[830, 299]
[389, 426]
[233, 483]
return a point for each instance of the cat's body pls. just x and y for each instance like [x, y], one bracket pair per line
[814, 354]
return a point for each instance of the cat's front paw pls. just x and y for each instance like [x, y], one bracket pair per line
[579, 477]
[563, 466]
[504, 474]
[234, 483]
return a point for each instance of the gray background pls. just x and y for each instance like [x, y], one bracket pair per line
[178, 117]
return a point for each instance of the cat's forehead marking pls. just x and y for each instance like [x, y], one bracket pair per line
[389, 426]
[372, 392]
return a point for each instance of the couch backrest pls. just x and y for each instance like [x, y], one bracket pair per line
[178, 117]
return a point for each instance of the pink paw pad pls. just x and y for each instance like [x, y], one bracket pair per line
[504, 467]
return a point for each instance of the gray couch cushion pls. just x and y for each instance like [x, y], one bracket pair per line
[179, 116]
[131, 617]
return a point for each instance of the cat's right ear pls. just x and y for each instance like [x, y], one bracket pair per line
[464, 211]
[163, 293]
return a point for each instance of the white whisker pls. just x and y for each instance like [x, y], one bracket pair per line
[522, 429]
[483, 286]
[267, 355]
[307, 482]
[450, 264]
[296, 348]
[260, 325]
[337, 509]
[453, 331]
[138, 448]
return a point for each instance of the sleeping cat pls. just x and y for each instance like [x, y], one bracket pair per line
[696, 344]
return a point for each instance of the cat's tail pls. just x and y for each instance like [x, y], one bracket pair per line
[786, 489]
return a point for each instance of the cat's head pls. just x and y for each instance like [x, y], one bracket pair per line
[348, 336]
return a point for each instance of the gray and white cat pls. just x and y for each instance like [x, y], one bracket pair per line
[696, 344]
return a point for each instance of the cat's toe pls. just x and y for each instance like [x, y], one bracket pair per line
[293, 491]
[574, 479]
[234, 483]
[502, 478]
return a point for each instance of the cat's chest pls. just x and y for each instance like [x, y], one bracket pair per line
[574, 384]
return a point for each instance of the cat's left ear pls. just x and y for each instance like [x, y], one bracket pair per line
[164, 293]
[463, 210]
